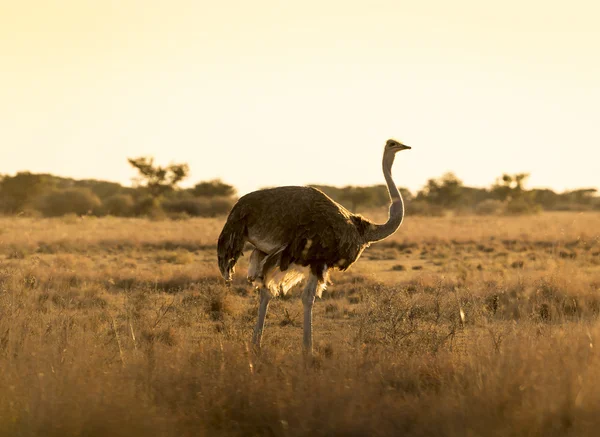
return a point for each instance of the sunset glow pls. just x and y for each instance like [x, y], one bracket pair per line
[269, 93]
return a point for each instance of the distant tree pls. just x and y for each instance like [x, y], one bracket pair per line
[510, 186]
[545, 197]
[119, 205]
[445, 191]
[582, 196]
[103, 189]
[148, 206]
[71, 201]
[19, 191]
[158, 180]
[214, 188]
[357, 197]
[471, 196]
[490, 207]
[202, 206]
[354, 197]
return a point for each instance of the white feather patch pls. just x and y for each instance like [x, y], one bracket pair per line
[279, 282]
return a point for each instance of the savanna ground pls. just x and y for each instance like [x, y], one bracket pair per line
[473, 326]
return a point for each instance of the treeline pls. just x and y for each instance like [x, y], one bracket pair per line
[156, 194]
[448, 193]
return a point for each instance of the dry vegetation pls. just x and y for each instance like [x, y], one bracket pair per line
[470, 326]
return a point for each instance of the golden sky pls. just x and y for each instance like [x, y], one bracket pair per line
[265, 92]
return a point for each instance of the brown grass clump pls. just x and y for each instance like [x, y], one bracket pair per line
[217, 302]
[123, 327]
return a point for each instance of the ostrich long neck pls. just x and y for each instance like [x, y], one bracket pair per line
[379, 232]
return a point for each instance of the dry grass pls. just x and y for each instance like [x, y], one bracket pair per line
[123, 327]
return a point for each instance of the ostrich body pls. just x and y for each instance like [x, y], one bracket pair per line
[300, 232]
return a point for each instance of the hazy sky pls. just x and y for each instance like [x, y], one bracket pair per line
[265, 92]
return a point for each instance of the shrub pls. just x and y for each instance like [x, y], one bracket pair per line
[218, 206]
[147, 206]
[120, 205]
[199, 206]
[19, 192]
[490, 207]
[78, 201]
[564, 206]
[191, 206]
[217, 303]
[420, 207]
[214, 188]
[522, 206]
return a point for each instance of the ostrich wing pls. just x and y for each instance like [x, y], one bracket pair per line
[314, 229]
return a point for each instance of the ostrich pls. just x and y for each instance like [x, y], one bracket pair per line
[298, 232]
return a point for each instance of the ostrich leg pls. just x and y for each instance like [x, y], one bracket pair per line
[265, 298]
[308, 299]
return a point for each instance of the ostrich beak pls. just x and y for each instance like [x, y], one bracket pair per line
[404, 147]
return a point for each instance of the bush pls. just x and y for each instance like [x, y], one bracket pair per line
[563, 206]
[18, 193]
[214, 188]
[522, 206]
[147, 206]
[120, 205]
[78, 201]
[420, 207]
[191, 206]
[199, 206]
[490, 207]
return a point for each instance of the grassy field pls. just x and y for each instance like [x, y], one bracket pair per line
[470, 326]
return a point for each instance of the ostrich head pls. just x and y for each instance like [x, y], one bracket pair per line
[395, 146]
